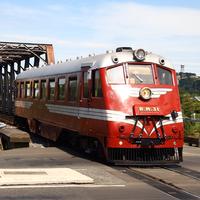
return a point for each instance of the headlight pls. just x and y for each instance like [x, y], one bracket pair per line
[145, 93]
[139, 54]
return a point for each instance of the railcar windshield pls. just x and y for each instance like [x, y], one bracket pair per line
[165, 76]
[132, 74]
[140, 74]
[115, 75]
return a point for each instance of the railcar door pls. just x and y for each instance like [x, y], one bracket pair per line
[84, 101]
[97, 115]
[92, 106]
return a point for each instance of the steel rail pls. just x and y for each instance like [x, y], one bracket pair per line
[184, 171]
[159, 184]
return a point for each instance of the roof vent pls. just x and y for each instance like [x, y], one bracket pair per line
[121, 49]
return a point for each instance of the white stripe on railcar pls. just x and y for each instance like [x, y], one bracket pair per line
[99, 114]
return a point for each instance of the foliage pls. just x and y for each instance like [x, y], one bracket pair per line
[190, 106]
[192, 129]
[190, 84]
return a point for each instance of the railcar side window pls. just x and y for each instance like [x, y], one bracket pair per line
[85, 85]
[115, 75]
[21, 89]
[165, 76]
[36, 89]
[43, 89]
[17, 93]
[140, 74]
[96, 83]
[28, 89]
[61, 88]
[72, 89]
[51, 89]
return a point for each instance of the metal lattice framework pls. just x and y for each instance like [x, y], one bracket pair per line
[14, 58]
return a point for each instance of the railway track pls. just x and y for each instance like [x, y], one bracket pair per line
[161, 184]
[184, 171]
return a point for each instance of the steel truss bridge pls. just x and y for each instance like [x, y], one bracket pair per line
[14, 58]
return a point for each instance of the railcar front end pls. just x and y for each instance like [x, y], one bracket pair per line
[148, 128]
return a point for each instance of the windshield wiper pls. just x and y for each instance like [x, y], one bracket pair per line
[139, 78]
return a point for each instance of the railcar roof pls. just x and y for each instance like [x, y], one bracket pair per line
[98, 61]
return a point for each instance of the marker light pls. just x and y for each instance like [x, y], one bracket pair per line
[139, 54]
[162, 61]
[145, 93]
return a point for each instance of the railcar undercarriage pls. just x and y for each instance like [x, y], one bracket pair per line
[146, 152]
[145, 156]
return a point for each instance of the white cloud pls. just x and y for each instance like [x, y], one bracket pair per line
[19, 11]
[173, 32]
[55, 7]
[130, 19]
[166, 30]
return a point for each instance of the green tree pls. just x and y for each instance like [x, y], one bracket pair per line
[187, 103]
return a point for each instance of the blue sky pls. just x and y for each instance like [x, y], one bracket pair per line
[78, 28]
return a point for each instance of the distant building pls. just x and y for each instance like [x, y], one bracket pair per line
[185, 75]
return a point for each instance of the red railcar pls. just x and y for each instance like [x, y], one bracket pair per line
[126, 101]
